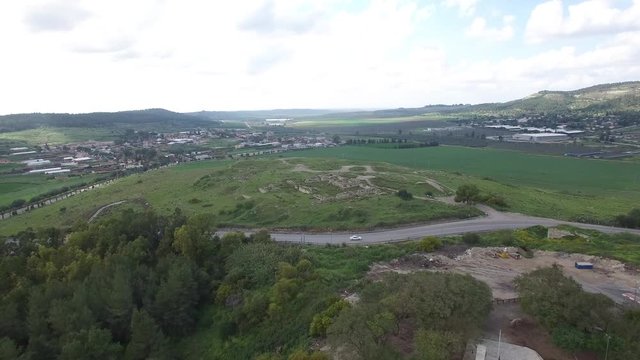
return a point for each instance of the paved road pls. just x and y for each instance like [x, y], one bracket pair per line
[494, 220]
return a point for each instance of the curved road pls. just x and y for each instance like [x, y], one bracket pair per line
[494, 220]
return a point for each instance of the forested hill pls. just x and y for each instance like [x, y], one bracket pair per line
[139, 118]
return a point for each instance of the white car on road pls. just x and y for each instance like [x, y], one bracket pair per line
[355, 237]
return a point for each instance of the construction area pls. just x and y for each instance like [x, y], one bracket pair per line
[499, 266]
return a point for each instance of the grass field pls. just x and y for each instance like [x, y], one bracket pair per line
[559, 187]
[263, 193]
[13, 187]
[571, 175]
[55, 136]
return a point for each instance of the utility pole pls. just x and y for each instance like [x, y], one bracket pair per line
[606, 353]
[500, 341]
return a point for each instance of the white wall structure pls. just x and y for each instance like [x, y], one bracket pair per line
[542, 137]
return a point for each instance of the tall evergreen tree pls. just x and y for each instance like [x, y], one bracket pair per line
[147, 339]
[119, 303]
[91, 343]
[176, 299]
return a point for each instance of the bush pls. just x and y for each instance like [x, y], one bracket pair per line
[429, 244]
[18, 203]
[494, 200]
[324, 319]
[471, 238]
[630, 220]
[404, 194]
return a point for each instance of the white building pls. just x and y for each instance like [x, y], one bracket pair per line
[36, 162]
[542, 137]
[276, 122]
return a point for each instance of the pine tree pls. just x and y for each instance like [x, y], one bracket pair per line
[146, 337]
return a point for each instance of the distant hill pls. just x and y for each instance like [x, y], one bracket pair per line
[614, 98]
[151, 118]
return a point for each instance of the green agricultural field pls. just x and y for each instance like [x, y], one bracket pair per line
[14, 187]
[58, 136]
[222, 143]
[559, 187]
[272, 193]
[337, 122]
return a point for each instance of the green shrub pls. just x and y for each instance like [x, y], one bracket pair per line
[404, 194]
[429, 244]
[471, 238]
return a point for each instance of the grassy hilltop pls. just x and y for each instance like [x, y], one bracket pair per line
[317, 190]
[273, 193]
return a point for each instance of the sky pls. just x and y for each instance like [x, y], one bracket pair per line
[76, 56]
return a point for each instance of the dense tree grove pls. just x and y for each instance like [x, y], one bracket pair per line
[114, 289]
[447, 309]
[130, 285]
[577, 320]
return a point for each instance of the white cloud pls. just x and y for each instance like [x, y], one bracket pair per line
[283, 53]
[589, 17]
[479, 29]
[466, 7]
[55, 16]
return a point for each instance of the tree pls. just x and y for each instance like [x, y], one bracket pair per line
[437, 345]
[557, 300]
[362, 330]
[569, 338]
[147, 339]
[450, 305]
[177, 296]
[119, 303]
[404, 194]
[8, 349]
[467, 193]
[92, 343]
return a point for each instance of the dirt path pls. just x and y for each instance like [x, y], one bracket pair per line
[435, 184]
[97, 213]
[368, 169]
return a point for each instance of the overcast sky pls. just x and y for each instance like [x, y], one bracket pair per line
[191, 55]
